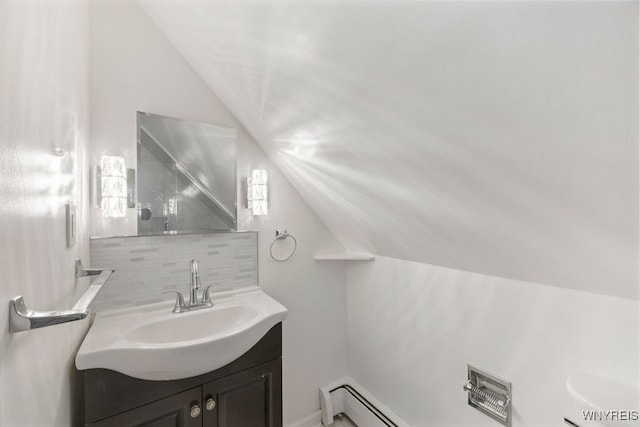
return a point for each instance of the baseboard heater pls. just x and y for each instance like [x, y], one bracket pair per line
[345, 396]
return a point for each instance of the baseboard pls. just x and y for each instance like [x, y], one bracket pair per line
[311, 420]
[346, 396]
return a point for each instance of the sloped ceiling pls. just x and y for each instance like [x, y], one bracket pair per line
[494, 137]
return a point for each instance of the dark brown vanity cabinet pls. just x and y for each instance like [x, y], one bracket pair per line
[172, 411]
[244, 393]
[244, 399]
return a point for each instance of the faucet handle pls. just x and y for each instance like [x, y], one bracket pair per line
[179, 301]
[206, 297]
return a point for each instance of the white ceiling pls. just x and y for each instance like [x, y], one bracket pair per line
[495, 137]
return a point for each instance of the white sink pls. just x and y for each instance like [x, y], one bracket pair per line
[152, 343]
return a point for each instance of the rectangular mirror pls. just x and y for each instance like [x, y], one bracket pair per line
[186, 176]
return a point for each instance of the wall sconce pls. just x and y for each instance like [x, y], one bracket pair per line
[113, 185]
[257, 193]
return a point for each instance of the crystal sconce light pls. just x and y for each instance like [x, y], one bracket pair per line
[113, 183]
[257, 192]
[113, 187]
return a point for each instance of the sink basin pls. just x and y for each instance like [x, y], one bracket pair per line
[219, 320]
[152, 343]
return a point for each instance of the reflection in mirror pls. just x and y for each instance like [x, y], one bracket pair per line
[186, 176]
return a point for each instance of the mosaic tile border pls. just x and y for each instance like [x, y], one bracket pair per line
[146, 266]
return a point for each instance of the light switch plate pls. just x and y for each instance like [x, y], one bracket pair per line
[70, 210]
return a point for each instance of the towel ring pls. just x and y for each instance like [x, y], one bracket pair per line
[281, 235]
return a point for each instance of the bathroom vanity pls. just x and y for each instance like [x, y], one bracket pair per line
[246, 392]
[218, 366]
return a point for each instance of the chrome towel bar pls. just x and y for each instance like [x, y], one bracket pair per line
[81, 271]
[23, 319]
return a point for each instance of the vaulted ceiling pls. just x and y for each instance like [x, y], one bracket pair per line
[494, 137]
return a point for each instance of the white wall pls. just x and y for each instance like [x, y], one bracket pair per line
[44, 102]
[498, 137]
[412, 329]
[134, 67]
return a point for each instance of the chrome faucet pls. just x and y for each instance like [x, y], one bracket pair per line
[195, 282]
[194, 285]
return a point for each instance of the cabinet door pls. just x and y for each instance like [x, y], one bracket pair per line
[249, 398]
[178, 410]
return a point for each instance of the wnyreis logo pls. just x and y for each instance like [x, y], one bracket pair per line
[610, 415]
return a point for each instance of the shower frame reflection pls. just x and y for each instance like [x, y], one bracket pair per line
[186, 176]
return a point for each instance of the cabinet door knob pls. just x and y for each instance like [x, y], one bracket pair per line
[211, 404]
[195, 411]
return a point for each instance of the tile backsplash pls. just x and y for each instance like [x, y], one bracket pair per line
[146, 266]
